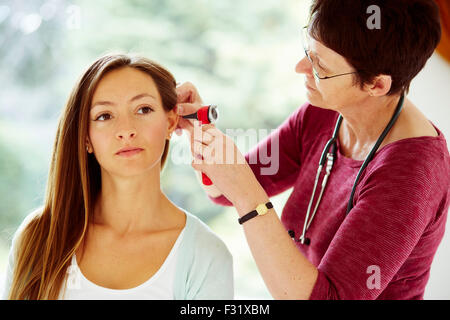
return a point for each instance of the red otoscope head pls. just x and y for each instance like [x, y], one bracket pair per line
[206, 114]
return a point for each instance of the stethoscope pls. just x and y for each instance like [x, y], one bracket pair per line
[329, 157]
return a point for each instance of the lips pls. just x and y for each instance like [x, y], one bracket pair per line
[128, 150]
[309, 87]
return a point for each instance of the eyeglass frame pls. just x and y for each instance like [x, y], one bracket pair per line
[304, 35]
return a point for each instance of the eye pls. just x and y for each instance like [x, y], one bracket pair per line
[147, 109]
[103, 114]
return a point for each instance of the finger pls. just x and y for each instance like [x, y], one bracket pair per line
[187, 108]
[208, 127]
[185, 124]
[202, 136]
[185, 92]
[207, 138]
[197, 150]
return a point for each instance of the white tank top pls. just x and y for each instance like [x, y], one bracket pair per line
[158, 287]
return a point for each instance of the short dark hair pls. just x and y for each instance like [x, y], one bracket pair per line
[409, 33]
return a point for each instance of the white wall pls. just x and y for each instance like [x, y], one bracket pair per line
[430, 92]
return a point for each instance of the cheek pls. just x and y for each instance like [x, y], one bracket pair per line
[332, 95]
[155, 135]
[100, 140]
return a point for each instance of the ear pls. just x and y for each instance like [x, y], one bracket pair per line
[380, 86]
[88, 146]
[172, 120]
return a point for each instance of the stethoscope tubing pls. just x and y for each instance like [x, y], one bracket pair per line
[330, 157]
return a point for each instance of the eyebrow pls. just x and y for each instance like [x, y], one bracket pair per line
[109, 103]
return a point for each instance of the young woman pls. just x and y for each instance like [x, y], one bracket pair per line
[106, 230]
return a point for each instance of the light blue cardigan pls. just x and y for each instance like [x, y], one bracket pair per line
[204, 267]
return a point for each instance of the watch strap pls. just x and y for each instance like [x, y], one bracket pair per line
[255, 212]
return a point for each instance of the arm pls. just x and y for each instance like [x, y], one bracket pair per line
[286, 272]
[277, 172]
[390, 216]
[385, 225]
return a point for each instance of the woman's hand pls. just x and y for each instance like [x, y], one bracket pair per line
[216, 155]
[188, 101]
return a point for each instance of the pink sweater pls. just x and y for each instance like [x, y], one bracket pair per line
[384, 248]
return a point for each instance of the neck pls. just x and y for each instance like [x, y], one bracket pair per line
[129, 204]
[364, 122]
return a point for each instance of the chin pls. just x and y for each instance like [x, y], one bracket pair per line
[315, 99]
[130, 169]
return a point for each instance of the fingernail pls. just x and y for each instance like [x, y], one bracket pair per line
[180, 109]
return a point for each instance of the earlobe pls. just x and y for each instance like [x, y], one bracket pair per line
[87, 145]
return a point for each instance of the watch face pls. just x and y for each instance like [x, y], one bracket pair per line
[213, 113]
[261, 209]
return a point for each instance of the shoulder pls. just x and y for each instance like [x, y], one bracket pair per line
[413, 171]
[203, 256]
[420, 159]
[29, 218]
[206, 242]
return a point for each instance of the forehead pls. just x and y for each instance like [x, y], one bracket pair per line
[124, 83]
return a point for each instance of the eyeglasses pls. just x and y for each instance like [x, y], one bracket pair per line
[314, 64]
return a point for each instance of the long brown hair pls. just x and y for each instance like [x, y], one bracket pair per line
[47, 243]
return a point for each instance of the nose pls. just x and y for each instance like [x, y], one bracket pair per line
[124, 135]
[304, 66]
[126, 131]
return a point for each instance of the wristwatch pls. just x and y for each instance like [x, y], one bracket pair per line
[260, 210]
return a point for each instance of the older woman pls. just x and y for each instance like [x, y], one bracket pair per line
[367, 221]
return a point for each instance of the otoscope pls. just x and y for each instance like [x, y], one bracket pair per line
[207, 114]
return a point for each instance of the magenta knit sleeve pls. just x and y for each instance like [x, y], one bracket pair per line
[397, 222]
[275, 160]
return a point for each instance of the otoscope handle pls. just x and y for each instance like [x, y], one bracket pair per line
[206, 181]
[206, 115]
